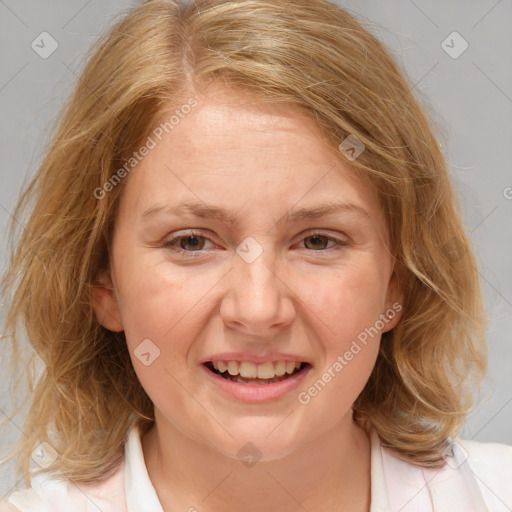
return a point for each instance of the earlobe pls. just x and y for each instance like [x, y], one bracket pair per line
[105, 303]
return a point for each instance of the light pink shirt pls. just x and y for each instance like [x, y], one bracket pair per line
[476, 478]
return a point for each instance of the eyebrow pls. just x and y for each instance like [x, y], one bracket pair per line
[205, 211]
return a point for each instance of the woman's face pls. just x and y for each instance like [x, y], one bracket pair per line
[265, 286]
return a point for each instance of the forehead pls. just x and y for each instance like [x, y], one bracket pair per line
[229, 124]
[246, 156]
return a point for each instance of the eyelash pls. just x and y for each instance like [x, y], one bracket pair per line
[170, 244]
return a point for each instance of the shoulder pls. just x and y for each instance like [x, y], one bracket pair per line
[491, 464]
[5, 507]
[22, 500]
[475, 474]
[487, 454]
[49, 494]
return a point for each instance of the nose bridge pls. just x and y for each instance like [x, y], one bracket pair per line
[256, 268]
[259, 300]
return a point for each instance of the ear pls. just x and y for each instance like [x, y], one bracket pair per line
[105, 303]
[394, 302]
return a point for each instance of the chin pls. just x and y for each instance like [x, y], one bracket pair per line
[257, 441]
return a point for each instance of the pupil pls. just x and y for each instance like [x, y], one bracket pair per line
[194, 244]
[316, 237]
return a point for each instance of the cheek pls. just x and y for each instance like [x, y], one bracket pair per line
[162, 316]
[170, 307]
[154, 297]
[346, 312]
[350, 301]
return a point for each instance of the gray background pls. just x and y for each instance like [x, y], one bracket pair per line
[470, 96]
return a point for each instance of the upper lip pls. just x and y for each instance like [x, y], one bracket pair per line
[253, 358]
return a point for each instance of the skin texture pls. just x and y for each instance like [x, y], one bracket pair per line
[300, 296]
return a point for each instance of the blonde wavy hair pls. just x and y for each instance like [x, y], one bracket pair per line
[306, 53]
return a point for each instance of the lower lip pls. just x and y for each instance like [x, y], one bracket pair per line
[257, 392]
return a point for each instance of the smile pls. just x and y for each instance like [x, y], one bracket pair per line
[246, 372]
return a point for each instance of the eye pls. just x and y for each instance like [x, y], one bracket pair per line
[318, 241]
[194, 241]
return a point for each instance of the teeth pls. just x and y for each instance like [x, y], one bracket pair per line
[290, 367]
[249, 370]
[280, 368]
[233, 368]
[266, 371]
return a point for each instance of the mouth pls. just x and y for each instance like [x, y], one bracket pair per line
[246, 372]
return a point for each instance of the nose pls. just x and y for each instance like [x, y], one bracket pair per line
[258, 301]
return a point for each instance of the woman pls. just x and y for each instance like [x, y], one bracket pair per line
[239, 271]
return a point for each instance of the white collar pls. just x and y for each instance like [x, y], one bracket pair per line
[140, 493]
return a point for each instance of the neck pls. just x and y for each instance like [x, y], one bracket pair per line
[331, 473]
